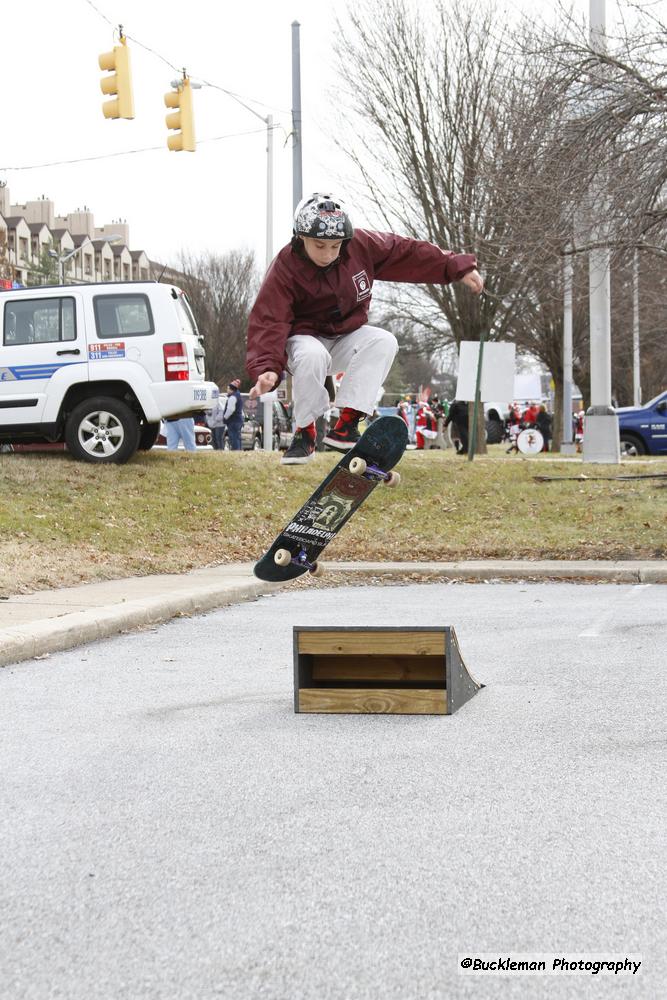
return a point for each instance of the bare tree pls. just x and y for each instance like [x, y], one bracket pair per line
[5, 266]
[456, 118]
[613, 139]
[222, 289]
[652, 300]
[616, 125]
[488, 141]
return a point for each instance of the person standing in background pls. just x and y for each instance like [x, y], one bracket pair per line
[458, 418]
[543, 424]
[215, 420]
[179, 430]
[233, 414]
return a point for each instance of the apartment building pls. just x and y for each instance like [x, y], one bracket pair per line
[28, 232]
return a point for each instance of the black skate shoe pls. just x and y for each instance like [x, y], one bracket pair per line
[346, 433]
[302, 447]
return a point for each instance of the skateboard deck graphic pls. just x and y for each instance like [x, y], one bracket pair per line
[335, 500]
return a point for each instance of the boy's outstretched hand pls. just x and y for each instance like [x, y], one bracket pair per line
[265, 383]
[474, 281]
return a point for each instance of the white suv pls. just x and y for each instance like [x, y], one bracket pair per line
[98, 366]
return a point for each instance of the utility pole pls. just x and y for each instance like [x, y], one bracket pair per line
[268, 121]
[601, 440]
[297, 172]
[269, 190]
[567, 446]
[267, 416]
[636, 369]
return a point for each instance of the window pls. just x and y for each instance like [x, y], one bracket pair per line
[123, 316]
[39, 321]
[23, 248]
[188, 324]
[88, 263]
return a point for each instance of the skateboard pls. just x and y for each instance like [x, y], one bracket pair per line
[298, 546]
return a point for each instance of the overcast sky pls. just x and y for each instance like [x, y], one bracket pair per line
[214, 199]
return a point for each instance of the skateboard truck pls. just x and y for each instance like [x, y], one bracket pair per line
[283, 557]
[359, 467]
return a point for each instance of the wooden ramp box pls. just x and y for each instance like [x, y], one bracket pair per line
[405, 671]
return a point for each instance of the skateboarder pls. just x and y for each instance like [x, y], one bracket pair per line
[311, 314]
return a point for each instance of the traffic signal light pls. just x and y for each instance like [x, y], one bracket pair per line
[118, 82]
[181, 119]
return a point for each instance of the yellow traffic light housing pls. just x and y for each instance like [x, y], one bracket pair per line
[119, 82]
[181, 119]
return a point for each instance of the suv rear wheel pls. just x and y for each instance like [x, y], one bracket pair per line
[102, 430]
[148, 435]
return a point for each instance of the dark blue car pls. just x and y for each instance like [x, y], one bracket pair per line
[643, 429]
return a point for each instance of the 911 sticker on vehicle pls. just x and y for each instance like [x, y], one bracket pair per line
[109, 349]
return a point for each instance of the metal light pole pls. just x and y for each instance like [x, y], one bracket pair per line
[267, 421]
[63, 258]
[269, 189]
[567, 446]
[601, 439]
[297, 168]
[636, 368]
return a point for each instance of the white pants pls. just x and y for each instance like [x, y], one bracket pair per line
[366, 356]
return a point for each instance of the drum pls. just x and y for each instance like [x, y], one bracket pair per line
[530, 441]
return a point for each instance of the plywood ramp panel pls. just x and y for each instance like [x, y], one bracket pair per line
[390, 701]
[370, 642]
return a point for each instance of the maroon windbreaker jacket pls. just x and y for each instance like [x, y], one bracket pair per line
[297, 296]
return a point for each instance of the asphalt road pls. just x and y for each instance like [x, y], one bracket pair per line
[170, 829]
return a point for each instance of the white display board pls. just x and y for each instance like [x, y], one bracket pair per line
[498, 367]
[528, 386]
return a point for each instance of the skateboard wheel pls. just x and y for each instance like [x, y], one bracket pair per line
[357, 466]
[282, 557]
[393, 480]
[317, 569]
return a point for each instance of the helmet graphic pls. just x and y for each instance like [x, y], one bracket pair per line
[322, 217]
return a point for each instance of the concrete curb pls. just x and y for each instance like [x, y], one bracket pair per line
[502, 569]
[51, 635]
[100, 610]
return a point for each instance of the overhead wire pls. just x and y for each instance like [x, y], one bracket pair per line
[125, 152]
[146, 149]
[238, 97]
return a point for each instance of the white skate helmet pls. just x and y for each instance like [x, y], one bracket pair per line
[322, 217]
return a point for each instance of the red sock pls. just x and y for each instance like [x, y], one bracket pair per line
[348, 416]
[309, 430]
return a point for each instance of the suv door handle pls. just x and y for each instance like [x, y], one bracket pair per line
[75, 351]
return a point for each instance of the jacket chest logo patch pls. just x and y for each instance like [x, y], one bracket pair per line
[362, 285]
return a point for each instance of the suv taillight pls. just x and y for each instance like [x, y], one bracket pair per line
[176, 366]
